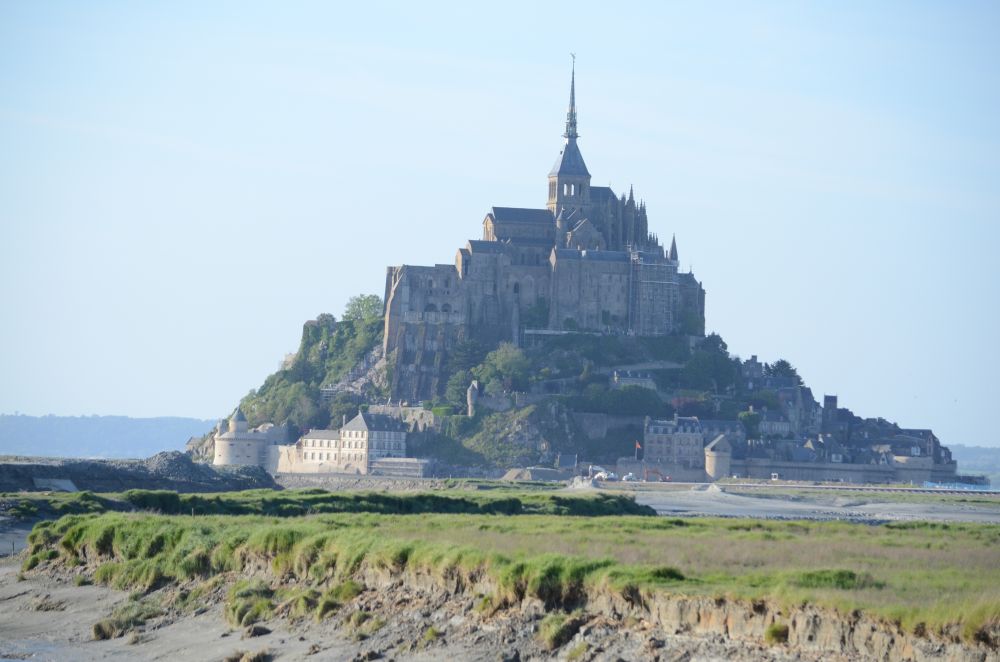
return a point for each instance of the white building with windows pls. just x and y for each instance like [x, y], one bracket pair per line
[354, 448]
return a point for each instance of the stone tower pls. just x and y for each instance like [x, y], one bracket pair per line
[569, 180]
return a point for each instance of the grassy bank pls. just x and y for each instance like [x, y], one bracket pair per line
[925, 576]
[293, 503]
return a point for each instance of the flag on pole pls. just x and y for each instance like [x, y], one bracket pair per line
[638, 445]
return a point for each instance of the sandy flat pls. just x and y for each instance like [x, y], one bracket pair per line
[714, 502]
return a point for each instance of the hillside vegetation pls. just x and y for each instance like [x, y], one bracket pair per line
[562, 376]
[328, 350]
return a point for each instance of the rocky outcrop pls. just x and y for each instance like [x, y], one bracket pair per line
[167, 471]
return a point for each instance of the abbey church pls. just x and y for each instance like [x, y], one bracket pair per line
[586, 262]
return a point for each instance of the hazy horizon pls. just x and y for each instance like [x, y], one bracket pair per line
[182, 186]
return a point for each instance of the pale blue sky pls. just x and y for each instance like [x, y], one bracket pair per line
[183, 184]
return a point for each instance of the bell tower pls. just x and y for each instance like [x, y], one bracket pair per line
[569, 180]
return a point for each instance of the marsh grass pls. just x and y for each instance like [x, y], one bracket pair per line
[776, 633]
[431, 634]
[557, 628]
[249, 601]
[364, 624]
[516, 500]
[937, 576]
[577, 652]
[126, 617]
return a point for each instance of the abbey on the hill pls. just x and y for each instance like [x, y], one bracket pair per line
[585, 262]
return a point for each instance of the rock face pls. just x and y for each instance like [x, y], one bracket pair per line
[813, 633]
[168, 471]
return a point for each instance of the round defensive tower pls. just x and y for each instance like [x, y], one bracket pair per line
[718, 458]
[237, 445]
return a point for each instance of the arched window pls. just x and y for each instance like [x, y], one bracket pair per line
[430, 308]
[446, 308]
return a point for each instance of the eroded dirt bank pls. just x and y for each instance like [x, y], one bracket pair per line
[415, 615]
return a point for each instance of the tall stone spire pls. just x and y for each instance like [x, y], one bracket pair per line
[673, 248]
[571, 133]
[569, 180]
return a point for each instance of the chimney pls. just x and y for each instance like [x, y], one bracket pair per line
[343, 421]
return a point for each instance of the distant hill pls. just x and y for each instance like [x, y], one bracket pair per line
[96, 436]
[978, 460]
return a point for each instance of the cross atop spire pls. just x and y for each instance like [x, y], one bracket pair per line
[571, 133]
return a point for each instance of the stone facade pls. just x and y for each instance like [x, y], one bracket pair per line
[237, 445]
[679, 442]
[586, 261]
[354, 448]
[718, 458]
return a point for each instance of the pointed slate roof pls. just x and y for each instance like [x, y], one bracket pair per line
[370, 422]
[570, 162]
[673, 248]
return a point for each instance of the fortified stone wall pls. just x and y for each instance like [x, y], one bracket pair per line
[761, 468]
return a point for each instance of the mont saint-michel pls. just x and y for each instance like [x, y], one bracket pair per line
[586, 261]
[566, 337]
[492, 361]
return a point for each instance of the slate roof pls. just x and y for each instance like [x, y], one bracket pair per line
[570, 162]
[238, 416]
[568, 254]
[322, 434]
[719, 424]
[606, 256]
[521, 215]
[365, 421]
[602, 194]
[479, 246]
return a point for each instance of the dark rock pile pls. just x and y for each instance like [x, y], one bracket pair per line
[168, 471]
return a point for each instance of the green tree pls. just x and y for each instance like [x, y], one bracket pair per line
[506, 364]
[709, 370]
[751, 421]
[342, 407]
[466, 355]
[457, 386]
[782, 368]
[363, 307]
[714, 344]
[764, 399]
